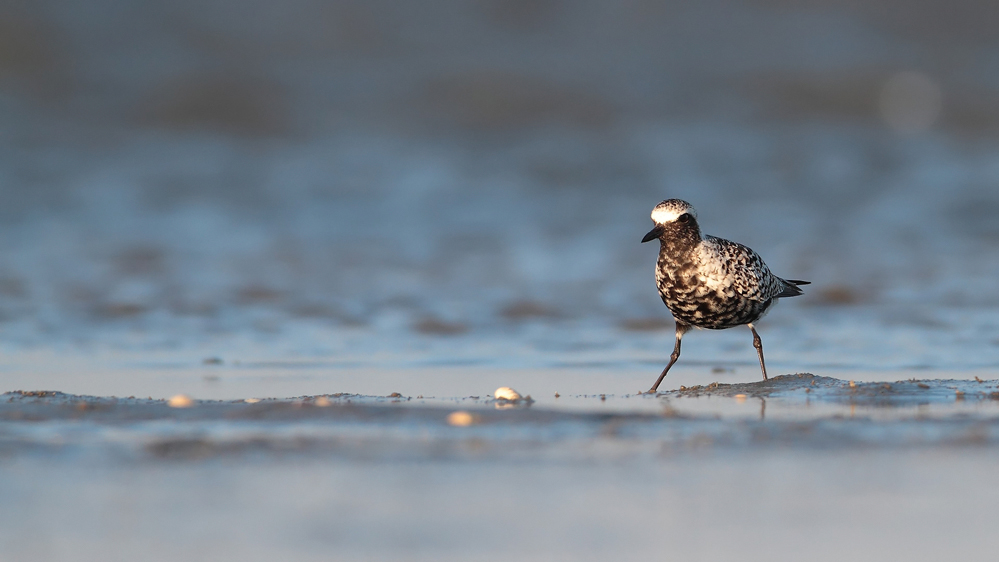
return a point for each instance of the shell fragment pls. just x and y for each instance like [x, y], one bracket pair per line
[506, 393]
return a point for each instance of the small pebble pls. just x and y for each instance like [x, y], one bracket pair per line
[853, 384]
[251, 400]
[180, 401]
[506, 393]
[322, 402]
[461, 418]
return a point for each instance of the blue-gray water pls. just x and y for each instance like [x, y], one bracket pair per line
[235, 200]
[469, 181]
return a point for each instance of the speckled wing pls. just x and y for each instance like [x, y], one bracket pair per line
[732, 268]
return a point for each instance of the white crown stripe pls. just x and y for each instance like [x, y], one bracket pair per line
[665, 215]
[670, 209]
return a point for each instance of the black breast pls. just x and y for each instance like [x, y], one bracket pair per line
[689, 301]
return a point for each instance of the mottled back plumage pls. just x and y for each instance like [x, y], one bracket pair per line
[710, 282]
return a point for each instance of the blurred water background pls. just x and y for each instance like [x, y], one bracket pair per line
[391, 183]
[270, 199]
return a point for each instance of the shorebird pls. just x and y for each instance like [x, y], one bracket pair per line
[709, 282]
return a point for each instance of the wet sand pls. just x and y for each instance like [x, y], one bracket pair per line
[801, 410]
[799, 466]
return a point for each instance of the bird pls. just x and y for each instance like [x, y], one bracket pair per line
[709, 282]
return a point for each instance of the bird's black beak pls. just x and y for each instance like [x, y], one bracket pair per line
[654, 233]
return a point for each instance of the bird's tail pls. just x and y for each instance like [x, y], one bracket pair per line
[791, 287]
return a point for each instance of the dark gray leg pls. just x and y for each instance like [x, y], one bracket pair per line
[680, 330]
[758, 344]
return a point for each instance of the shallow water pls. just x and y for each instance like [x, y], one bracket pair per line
[886, 504]
[711, 471]
[354, 199]
[803, 410]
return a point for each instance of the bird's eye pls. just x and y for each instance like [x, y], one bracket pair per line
[684, 217]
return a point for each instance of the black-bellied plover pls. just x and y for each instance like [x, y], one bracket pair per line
[709, 282]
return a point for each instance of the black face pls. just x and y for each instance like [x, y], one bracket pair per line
[683, 223]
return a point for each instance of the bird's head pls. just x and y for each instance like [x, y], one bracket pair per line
[673, 215]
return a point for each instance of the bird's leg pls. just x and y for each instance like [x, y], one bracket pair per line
[758, 344]
[680, 330]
